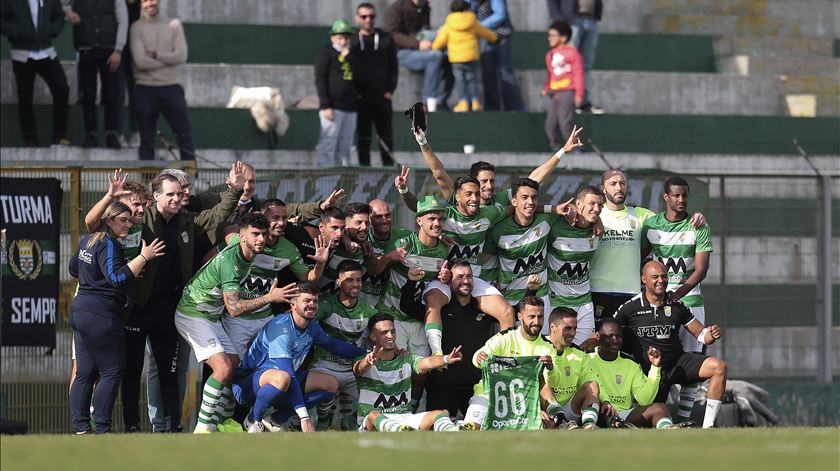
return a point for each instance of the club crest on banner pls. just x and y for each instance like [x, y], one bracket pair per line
[25, 258]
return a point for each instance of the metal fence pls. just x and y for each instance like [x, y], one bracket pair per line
[775, 255]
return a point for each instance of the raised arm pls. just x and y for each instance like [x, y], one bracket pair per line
[439, 361]
[539, 173]
[401, 182]
[93, 219]
[442, 178]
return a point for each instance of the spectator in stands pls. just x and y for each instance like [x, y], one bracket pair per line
[100, 29]
[126, 81]
[158, 49]
[408, 22]
[97, 314]
[30, 28]
[335, 80]
[378, 72]
[459, 35]
[497, 58]
[583, 16]
[564, 84]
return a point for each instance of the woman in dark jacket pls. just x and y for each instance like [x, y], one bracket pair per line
[97, 316]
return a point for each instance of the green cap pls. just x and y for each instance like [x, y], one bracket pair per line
[427, 205]
[341, 27]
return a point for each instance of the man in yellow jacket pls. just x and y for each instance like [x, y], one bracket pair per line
[459, 35]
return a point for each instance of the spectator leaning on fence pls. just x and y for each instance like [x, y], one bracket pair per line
[158, 50]
[97, 315]
[30, 27]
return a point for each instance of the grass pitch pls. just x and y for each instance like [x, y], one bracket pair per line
[620, 450]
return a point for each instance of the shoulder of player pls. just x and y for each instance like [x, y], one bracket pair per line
[626, 356]
[679, 305]
[634, 302]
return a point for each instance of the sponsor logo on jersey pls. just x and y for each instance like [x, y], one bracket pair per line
[375, 280]
[85, 256]
[256, 284]
[657, 331]
[674, 265]
[386, 403]
[526, 266]
[574, 271]
[468, 252]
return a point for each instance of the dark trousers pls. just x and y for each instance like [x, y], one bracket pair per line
[374, 112]
[125, 86]
[560, 111]
[501, 90]
[93, 63]
[99, 354]
[449, 398]
[167, 100]
[50, 70]
[156, 321]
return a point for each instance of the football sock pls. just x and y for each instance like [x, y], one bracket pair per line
[712, 406]
[434, 335]
[444, 424]
[207, 413]
[688, 392]
[589, 414]
[325, 414]
[266, 396]
[663, 422]
[347, 411]
[384, 424]
[228, 403]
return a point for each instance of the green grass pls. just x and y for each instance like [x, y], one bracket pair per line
[758, 449]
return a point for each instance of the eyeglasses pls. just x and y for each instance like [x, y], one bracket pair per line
[367, 17]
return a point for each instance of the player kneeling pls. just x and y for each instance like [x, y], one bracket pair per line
[621, 381]
[570, 394]
[384, 380]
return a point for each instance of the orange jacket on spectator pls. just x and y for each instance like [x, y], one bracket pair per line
[565, 70]
[459, 35]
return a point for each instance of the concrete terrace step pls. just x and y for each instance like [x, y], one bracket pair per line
[798, 66]
[209, 85]
[724, 25]
[774, 47]
[256, 44]
[624, 16]
[504, 132]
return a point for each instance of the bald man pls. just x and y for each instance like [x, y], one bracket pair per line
[382, 237]
[650, 321]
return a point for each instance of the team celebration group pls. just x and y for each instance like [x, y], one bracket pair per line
[493, 312]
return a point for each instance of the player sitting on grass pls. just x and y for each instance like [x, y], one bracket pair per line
[571, 391]
[384, 379]
[270, 375]
[621, 381]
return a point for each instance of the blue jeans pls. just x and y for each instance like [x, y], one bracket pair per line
[336, 138]
[431, 64]
[466, 82]
[496, 68]
[585, 39]
[167, 100]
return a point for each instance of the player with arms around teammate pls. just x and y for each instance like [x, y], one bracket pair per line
[524, 340]
[685, 251]
[654, 322]
[384, 379]
[383, 235]
[270, 375]
[343, 316]
[622, 382]
[215, 289]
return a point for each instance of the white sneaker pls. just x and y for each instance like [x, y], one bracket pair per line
[257, 427]
[272, 427]
[204, 428]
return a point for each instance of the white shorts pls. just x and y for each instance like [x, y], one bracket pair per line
[242, 331]
[411, 335]
[585, 322]
[690, 342]
[480, 288]
[412, 420]
[477, 410]
[206, 338]
[623, 414]
[346, 379]
[571, 415]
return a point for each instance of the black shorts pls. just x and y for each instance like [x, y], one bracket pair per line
[449, 398]
[606, 305]
[685, 371]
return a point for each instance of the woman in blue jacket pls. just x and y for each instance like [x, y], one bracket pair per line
[97, 316]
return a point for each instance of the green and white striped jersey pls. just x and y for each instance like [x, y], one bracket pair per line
[418, 255]
[570, 249]
[131, 243]
[373, 287]
[227, 271]
[501, 198]
[386, 386]
[470, 232]
[327, 281]
[339, 322]
[675, 244]
[264, 269]
[521, 251]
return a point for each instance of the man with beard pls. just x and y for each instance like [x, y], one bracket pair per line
[277, 254]
[343, 316]
[653, 321]
[356, 227]
[216, 288]
[570, 250]
[270, 375]
[385, 380]
[614, 275]
[464, 324]
[382, 237]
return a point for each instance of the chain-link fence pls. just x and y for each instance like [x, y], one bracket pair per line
[762, 286]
